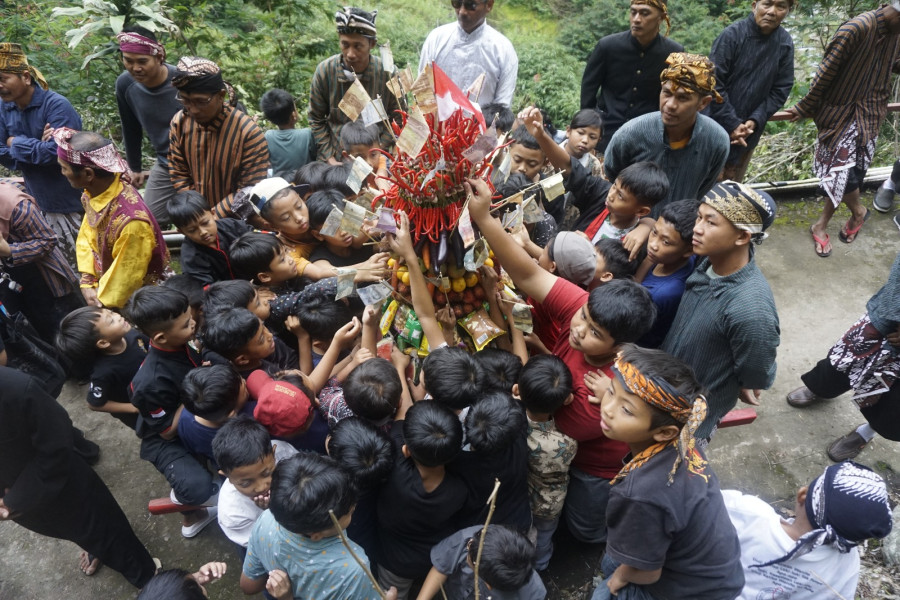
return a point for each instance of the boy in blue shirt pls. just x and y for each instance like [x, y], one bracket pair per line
[289, 148]
[212, 394]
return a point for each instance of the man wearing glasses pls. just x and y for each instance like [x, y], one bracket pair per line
[215, 149]
[466, 49]
[147, 103]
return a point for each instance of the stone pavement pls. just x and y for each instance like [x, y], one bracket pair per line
[818, 299]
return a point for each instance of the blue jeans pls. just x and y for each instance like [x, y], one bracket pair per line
[585, 509]
[544, 544]
[629, 592]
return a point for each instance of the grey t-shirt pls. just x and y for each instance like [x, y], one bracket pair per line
[146, 110]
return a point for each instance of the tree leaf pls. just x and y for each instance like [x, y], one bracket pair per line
[117, 22]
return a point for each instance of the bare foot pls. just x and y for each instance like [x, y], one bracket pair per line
[88, 563]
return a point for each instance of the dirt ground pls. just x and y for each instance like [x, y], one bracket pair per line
[783, 450]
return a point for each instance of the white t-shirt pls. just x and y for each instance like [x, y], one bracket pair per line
[237, 512]
[800, 578]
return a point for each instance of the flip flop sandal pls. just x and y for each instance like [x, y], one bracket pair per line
[848, 235]
[90, 560]
[820, 242]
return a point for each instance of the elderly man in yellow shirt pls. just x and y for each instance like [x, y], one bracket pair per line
[120, 247]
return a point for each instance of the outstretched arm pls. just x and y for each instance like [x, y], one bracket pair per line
[528, 276]
[534, 123]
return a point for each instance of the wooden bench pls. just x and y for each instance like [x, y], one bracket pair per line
[165, 506]
[738, 416]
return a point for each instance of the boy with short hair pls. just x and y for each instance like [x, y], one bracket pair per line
[164, 316]
[289, 148]
[103, 346]
[598, 322]
[243, 339]
[544, 386]
[418, 505]
[669, 532]
[726, 326]
[261, 257]
[814, 555]
[360, 140]
[207, 240]
[212, 394]
[453, 377]
[670, 252]
[340, 248]
[247, 457]
[296, 533]
[506, 569]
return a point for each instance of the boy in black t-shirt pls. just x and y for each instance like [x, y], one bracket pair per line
[102, 345]
[669, 532]
[339, 249]
[164, 315]
[418, 505]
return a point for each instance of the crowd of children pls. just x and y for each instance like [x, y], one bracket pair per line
[272, 408]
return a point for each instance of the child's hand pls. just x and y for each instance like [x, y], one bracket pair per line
[370, 316]
[533, 120]
[635, 240]
[598, 383]
[262, 500]
[446, 317]
[292, 324]
[489, 280]
[505, 305]
[362, 355]
[346, 335]
[279, 585]
[401, 242]
[209, 572]
[479, 198]
[400, 359]
[374, 269]
[265, 295]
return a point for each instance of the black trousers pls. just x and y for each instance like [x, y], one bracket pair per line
[86, 513]
[884, 416]
[192, 482]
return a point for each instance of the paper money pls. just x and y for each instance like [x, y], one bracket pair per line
[466, 231]
[358, 173]
[476, 255]
[522, 319]
[387, 57]
[354, 215]
[332, 222]
[374, 294]
[414, 135]
[406, 78]
[423, 90]
[396, 87]
[386, 221]
[553, 186]
[355, 100]
[345, 283]
[532, 211]
[483, 145]
[474, 90]
[513, 219]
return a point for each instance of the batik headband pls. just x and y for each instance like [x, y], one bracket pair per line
[106, 157]
[660, 394]
[743, 206]
[661, 6]
[13, 60]
[692, 71]
[138, 44]
[354, 20]
[846, 505]
[201, 75]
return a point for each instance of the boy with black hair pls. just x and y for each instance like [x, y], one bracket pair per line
[321, 316]
[726, 326]
[235, 293]
[242, 338]
[297, 525]
[311, 175]
[506, 570]
[191, 288]
[289, 148]
[419, 504]
[336, 179]
[339, 249]
[500, 116]
[495, 429]
[212, 394]
[814, 555]
[669, 532]
[373, 390]
[103, 347]
[453, 377]
[261, 257]
[598, 323]
[525, 154]
[501, 369]
[544, 386]
[164, 316]
[670, 252]
[367, 454]
[360, 140]
[207, 240]
[247, 457]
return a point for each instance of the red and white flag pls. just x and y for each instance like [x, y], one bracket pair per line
[450, 98]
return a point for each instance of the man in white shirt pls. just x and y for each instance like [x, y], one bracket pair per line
[466, 49]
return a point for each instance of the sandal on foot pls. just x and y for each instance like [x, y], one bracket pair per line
[821, 244]
[847, 235]
[190, 531]
[87, 563]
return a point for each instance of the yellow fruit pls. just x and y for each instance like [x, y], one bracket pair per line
[488, 262]
[391, 262]
[491, 253]
[471, 279]
[404, 277]
[458, 284]
[402, 269]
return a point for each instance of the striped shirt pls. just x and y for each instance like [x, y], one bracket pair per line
[218, 158]
[329, 84]
[853, 82]
[31, 241]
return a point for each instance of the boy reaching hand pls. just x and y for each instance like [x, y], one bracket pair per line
[598, 323]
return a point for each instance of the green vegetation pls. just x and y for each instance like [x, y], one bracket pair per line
[262, 44]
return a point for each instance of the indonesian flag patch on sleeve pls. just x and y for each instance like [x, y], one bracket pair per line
[159, 413]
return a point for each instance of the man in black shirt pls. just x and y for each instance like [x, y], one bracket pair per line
[625, 68]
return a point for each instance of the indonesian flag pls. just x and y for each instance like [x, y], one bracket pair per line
[450, 98]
